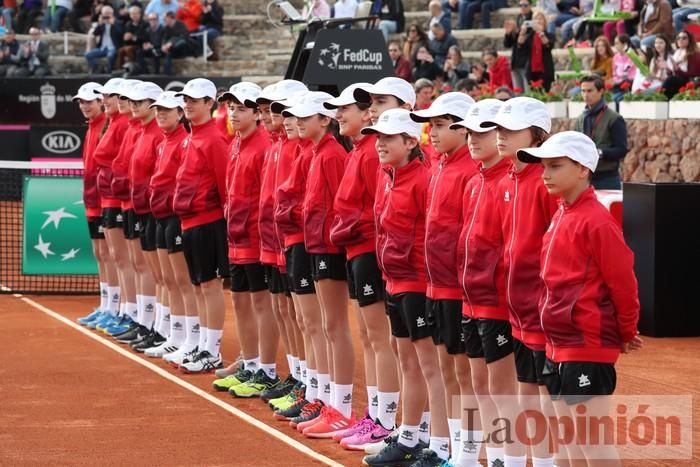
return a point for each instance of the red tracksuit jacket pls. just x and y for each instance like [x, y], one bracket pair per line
[353, 225]
[143, 164]
[243, 182]
[290, 196]
[91, 195]
[399, 213]
[163, 180]
[121, 185]
[480, 247]
[590, 305]
[104, 156]
[200, 191]
[526, 211]
[443, 220]
[269, 244]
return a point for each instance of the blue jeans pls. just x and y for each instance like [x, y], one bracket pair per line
[680, 16]
[559, 21]
[180, 49]
[92, 55]
[211, 35]
[466, 14]
[54, 20]
[609, 180]
[8, 14]
[387, 27]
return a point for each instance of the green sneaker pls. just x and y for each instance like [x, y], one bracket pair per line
[254, 386]
[282, 403]
[239, 377]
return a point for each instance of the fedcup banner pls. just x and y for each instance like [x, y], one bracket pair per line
[56, 239]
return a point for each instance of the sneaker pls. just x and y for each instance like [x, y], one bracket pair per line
[356, 428]
[137, 334]
[330, 422]
[161, 350]
[255, 385]
[309, 413]
[175, 359]
[191, 356]
[131, 327]
[124, 324]
[293, 411]
[115, 321]
[100, 323]
[96, 313]
[240, 377]
[373, 433]
[288, 399]
[203, 362]
[376, 447]
[429, 458]
[152, 340]
[394, 454]
[282, 389]
[231, 369]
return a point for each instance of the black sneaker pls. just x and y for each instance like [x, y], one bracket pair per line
[131, 328]
[280, 390]
[429, 458]
[152, 340]
[144, 338]
[137, 334]
[394, 454]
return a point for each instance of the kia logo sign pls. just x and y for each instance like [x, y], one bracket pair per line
[60, 142]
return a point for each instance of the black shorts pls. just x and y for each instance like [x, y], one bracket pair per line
[490, 339]
[131, 225]
[248, 277]
[445, 317]
[328, 266]
[529, 363]
[577, 382]
[299, 269]
[96, 229]
[148, 232]
[169, 234]
[273, 278]
[407, 315]
[206, 251]
[365, 282]
[112, 218]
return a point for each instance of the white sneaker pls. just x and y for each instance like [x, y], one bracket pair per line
[161, 350]
[175, 359]
[374, 448]
[203, 362]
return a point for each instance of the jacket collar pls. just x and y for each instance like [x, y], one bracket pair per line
[529, 171]
[404, 172]
[584, 198]
[497, 170]
[458, 155]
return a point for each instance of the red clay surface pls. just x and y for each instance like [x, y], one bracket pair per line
[67, 400]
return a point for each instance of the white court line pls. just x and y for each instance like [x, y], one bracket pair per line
[184, 384]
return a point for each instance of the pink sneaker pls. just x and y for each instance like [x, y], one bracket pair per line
[373, 433]
[356, 428]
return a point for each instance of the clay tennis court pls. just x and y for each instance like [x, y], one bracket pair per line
[68, 399]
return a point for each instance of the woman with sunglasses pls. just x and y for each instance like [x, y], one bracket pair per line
[686, 64]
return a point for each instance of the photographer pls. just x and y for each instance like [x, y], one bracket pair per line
[536, 44]
[108, 36]
[518, 59]
[151, 46]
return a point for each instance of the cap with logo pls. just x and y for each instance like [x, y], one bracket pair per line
[199, 88]
[572, 144]
[126, 86]
[482, 111]
[310, 104]
[395, 122]
[346, 97]
[279, 106]
[110, 87]
[143, 91]
[281, 90]
[519, 113]
[456, 104]
[87, 92]
[391, 86]
[169, 100]
[244, 93]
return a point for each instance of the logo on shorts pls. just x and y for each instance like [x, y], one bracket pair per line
[137, 227]
[313, 382]
[101, 229]
[367, 290]
[322, 265]
[195, 329]
[391, 407]
[347, 399]
[303, 282]
[506, 197]
[120, 218]
[177, 326]
[420, 322]
[469, 447]
[327, 388]
[375, 401]
[178, 240]
[423, 428]
[583, 381]
[407, 435]
[501, 340]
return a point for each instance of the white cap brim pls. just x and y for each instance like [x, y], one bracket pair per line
[339, 101]
[386, 128]
[507, 122]
[422, 116]
[304, 111]
[472, 124]
[87, 96]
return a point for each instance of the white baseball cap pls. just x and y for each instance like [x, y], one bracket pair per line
[169, 100]
[244, 92]
[456, 104]
[346, 97]
[143, 91]
[110, 87]
[87, 92]
[572, 144]
[310, 104]
[279, 106]
[519, 113]
[482, 111]
[126, 86]
[391, 86]
[199, 88]
[395, 122]
[281, 90]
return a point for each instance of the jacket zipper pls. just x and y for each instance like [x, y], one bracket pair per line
[383, 216]
[466, 241]
[544, 269]
[430, 208]
[510, 254]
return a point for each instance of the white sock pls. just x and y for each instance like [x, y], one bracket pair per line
[132, 310]
[470, 446]
[113, 298]
[515, 461]
[295, 370]
[312, 384]
[455, 425]
[149, 310]
[441, 447]
[177, 330]
[388, 406]
[192, 330]
[122, 309]
[334, 396]
[139, 309]
[324, 388]
[372, 402]
[495, 455]
[290, 364]
[165, 317]
[104, 296]
[203, 334]
[424, 427]
[270, 369]
[408, 435]
[252, 365]
[304, 375]
[542, 461]
[344, 399]
[213, 343]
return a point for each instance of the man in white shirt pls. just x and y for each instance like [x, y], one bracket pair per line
[108, 36]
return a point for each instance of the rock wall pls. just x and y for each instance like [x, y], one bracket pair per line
[659, 150]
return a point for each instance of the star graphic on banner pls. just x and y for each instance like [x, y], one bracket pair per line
[334, 46]
[324, 52]
[43, 248]
[70, 255]
[56, 216]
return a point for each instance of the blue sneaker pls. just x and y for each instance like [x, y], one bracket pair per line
[121, 326]
[96, 313]
[101, 323]
[92, 324]
[113, 321]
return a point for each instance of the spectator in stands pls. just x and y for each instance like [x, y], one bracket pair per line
[424, 66]
[52, 21]
[344, 9]
[680, 14]
[686, 64]
[415, 37]
[175, 42]
[613, 28]
[623, 69]
[479, 74]
[483, 6]
[402, 67]
[504, 93]
[424, 93]
[151, 46]
[213, 24]
[33, 58]
[189, 12]
[551, 11]
[9, 52]
[440, 44]
[9, 9]
[320, 9]
[135, 34]
[655, 18]
[469, 87]
[161, 7]
[391, 16]
[602, 58]
[438, 15]
[26, 17]
[81, 9]
[535, 43]
[518, 57]
[499, 69]
[660, 63]
[455, 68]
[607, 129]
[107, 35]
[568, 10]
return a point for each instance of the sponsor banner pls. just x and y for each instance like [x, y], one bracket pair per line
[56, 239]
[56, 142]
[344, 56]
